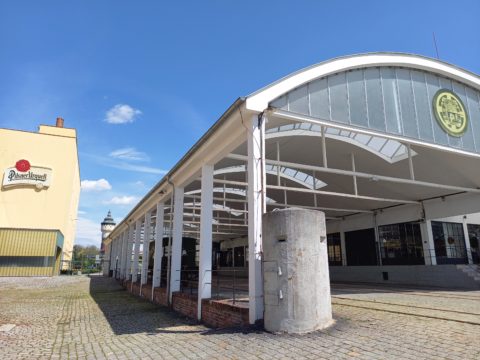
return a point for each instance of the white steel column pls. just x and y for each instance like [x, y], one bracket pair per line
[128, 263]
[123, 274]
[467, 240]
[157, 257]
[138, 229]
[120, 256]
[146, 247]
[206, 220]
[256, 203]
[176, 251]
[115, 256]
[427, 242]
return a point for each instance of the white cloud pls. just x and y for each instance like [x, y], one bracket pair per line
[121, 114]
[95, 185]
[137, 168]
[129, 153]
[88, 232]
[122, 200]
[81, 212]
[122, 165]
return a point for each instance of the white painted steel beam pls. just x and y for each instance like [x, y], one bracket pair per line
[362, 175]
[206, 220]
[428, 243]
[321, 208]
[146, 246]
[256, 203]
[157, 257]
[176, 252]
[128, 263]
[331, 193]
[136, 253]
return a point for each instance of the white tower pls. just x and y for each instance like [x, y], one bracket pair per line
[107, 226]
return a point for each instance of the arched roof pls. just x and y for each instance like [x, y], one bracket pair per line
[259, 100]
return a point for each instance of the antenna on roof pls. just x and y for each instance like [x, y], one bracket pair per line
[435, 43]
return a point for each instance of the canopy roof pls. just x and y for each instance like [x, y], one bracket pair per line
[342, 137]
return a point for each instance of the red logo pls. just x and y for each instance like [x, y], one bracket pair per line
[22, 165]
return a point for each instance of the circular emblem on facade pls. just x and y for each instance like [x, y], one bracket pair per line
[22, 165]
[450, 112]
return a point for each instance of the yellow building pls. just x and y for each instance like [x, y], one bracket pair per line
[39, 197]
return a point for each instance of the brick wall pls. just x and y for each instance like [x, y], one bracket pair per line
[215, 313]
[134, 288]
[147, 292]
[220, 314]
[185, 304]
[160, 296]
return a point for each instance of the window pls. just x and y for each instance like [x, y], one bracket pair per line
[401, 244]
[474, 236]
[334, 249]
[239, 256]
[27, 261]
[449, 241]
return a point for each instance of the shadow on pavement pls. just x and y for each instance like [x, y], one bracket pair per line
[128, 314]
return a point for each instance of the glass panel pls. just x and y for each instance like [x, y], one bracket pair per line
[376, 116]
[401, 244]
[474, 113]
[334, 249]
[467, 137]
[239, 256]
[423, 106]
[391, 102]
[407, 103]
[356, 98]
[298, 101]
[319, 105]
[433, 86]
[280, 103]
[338, 98]
[449, 243]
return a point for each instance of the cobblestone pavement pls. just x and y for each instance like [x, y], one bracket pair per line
[83, 318]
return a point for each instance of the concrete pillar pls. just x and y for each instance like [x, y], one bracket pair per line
[176, 251]
[467, 240]
[157, 257]
[427, 242]
[296, 275]
[128, 262]
[206, 220]
[146, 246]
[136, 253]
[256, 208]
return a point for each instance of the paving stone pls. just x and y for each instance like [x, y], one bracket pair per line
[79, 317]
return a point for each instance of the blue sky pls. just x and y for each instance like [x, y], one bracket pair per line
[141, 81]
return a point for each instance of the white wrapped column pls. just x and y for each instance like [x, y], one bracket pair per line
[136, 254]
[206, 220]
[146, 247]
[256, 204]
[176, 251]
[158, 255]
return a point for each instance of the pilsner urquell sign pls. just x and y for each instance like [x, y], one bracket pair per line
[24, 174]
